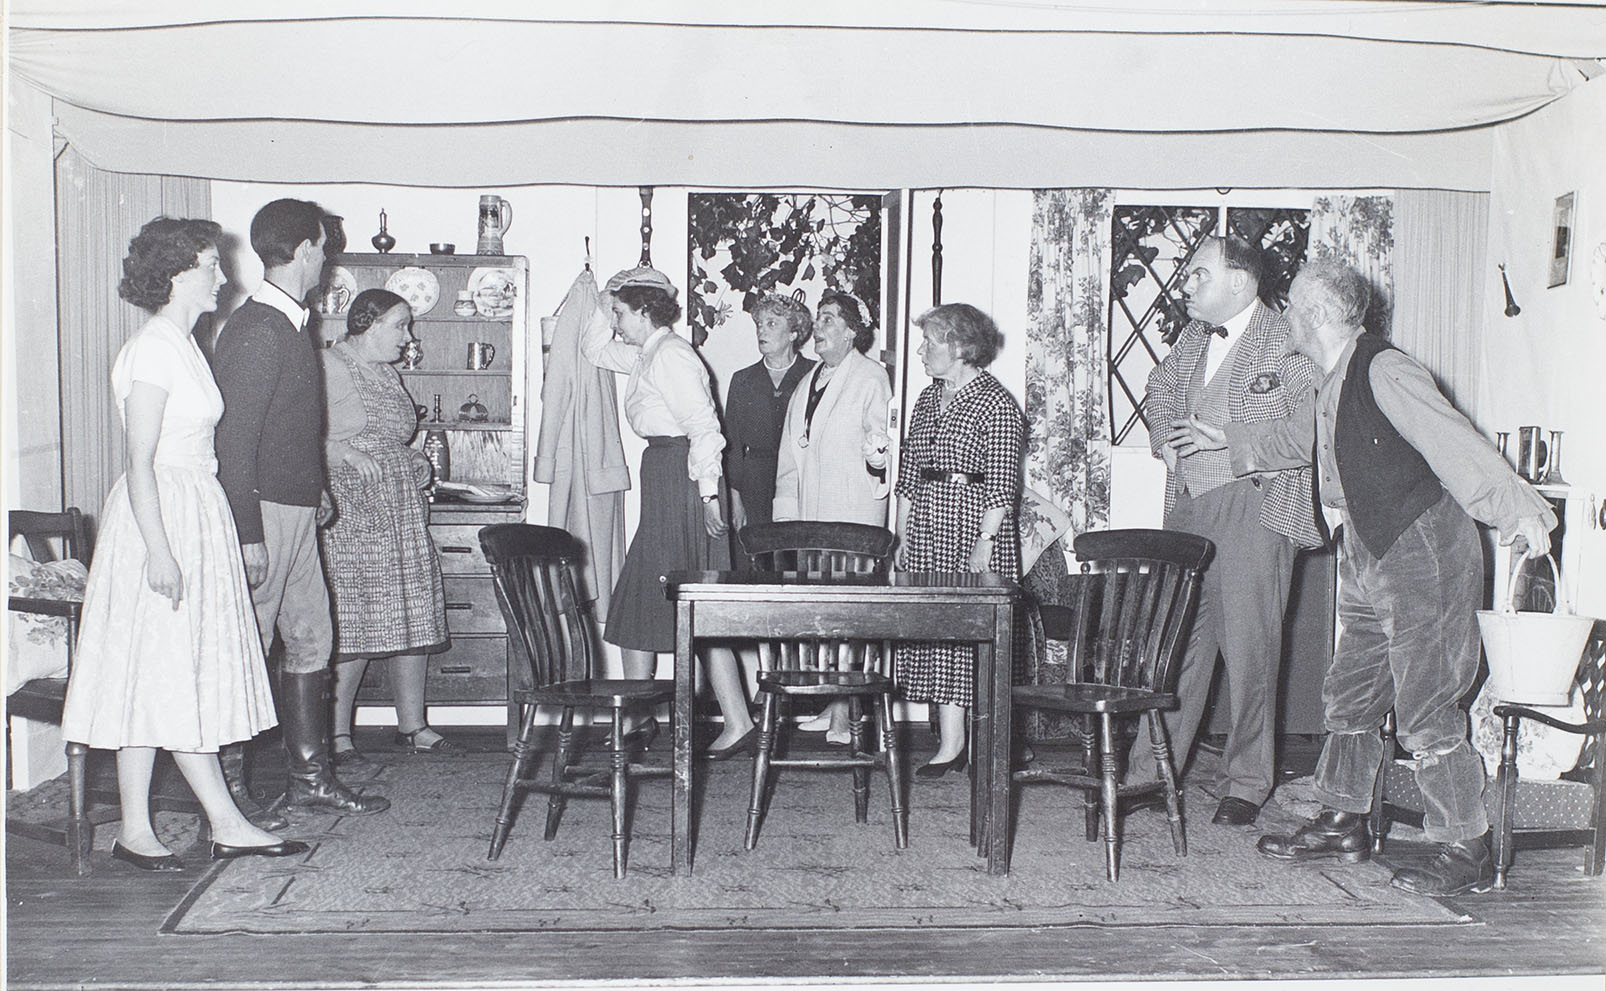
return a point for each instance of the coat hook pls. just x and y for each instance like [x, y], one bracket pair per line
[588, 254]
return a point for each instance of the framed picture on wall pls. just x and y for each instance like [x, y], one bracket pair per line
[1562, 235]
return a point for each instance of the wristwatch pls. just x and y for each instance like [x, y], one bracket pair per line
[984, 535]
[710, 498]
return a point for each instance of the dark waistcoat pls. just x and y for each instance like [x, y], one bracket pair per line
[1387, 483]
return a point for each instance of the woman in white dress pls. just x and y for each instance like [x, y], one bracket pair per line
[168, 654]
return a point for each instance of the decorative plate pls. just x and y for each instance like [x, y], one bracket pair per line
[494, 291]
[338, 291]
[416, 285]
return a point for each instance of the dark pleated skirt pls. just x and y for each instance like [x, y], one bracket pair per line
[669, 537]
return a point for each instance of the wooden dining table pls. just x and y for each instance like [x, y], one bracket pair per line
[977, 609]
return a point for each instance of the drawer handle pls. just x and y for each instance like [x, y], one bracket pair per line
[456, 669]
[460, 606]
[456, 549]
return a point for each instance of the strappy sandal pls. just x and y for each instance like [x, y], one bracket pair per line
[350, 755]
[440, 748]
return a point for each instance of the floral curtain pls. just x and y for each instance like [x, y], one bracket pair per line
[97, 212]
[1067, 311]
[1359, 231]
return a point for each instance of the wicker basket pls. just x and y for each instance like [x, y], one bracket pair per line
[1533, 656]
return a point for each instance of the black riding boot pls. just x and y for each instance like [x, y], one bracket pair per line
[304, 721]
[232, 757]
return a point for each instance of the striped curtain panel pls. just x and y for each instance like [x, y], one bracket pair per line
[1440, 247]
[97, 212]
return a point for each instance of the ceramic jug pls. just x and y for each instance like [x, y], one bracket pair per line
[496, 216]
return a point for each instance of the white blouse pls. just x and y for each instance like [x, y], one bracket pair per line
[667, 394]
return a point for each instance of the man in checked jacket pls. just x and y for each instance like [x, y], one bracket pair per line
[1232, 363]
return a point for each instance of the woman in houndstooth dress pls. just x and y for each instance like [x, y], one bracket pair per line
[958, 485]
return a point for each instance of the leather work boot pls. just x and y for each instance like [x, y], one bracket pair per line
[1465, 865]
[232, 757]
[304, 721]
[1341, 836]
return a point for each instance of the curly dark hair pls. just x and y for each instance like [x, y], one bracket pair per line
[162, 249]
[970, 332]
[369, 306]
[659, 306]
[855, 314]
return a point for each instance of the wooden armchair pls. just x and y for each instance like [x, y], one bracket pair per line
[826, 668]
[1569, 811]
[1125, 639]
[41, 699]
[553, 660]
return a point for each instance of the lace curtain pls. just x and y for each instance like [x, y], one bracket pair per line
[1067, 402]
[1359, 231]
[1440, 250]
[97, 212]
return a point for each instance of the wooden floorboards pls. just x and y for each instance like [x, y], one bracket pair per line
[102, 932]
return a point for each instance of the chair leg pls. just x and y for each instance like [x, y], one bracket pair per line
[895, 771]
[557, 801]
[80, 835]
[510, 790]
[1108, 793]
[1595, 853]
[761, 768]
[1090, 806]
[618, 786]
[1377, 821]
[861, 775]
[1506, 786]
[1161, 745]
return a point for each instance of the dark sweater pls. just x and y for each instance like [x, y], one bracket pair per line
[270, 439]
[1387, 483]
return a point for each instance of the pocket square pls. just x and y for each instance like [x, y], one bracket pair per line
[1265, 382]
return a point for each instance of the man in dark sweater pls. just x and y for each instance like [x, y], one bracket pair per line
[1403, 475]
[270, 462]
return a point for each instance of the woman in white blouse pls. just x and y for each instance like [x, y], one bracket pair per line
[682, 527]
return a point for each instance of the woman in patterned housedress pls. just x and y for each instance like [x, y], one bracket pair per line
[168, 654]
[384, 575]
[958, 486]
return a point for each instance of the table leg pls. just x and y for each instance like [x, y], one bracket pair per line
[981, 744]
[680, 801]
[997, 832]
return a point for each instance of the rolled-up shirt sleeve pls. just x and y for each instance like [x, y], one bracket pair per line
[599, 347]
[1467, 464]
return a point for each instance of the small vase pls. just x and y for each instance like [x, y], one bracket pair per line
[1553, 476]
[439, 454]
[382, 241]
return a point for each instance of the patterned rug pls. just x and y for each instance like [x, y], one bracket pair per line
[422, 867]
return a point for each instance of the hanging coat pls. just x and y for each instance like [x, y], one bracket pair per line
[579, 452]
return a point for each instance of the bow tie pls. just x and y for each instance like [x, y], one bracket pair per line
[1211, 328]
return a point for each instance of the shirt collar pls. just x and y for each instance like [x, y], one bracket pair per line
[1236, 324]
[269, 294]
[1340, 367]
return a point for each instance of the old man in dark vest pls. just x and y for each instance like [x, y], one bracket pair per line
[1401, 477]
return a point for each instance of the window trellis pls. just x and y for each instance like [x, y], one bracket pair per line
[1151, 248]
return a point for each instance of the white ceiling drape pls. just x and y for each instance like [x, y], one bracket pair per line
[894, 93]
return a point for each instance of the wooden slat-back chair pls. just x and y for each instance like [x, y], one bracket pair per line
[553, 660]
[1125, 638]
[827, 668]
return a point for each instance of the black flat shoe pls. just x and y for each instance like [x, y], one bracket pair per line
[642, 737]
[350, 756]
[933, 769]
[725, 753]
[164, 864]
[440, 748]
[283, 848]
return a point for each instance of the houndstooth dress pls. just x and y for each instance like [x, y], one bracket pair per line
[982, 431]
[384, 576]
